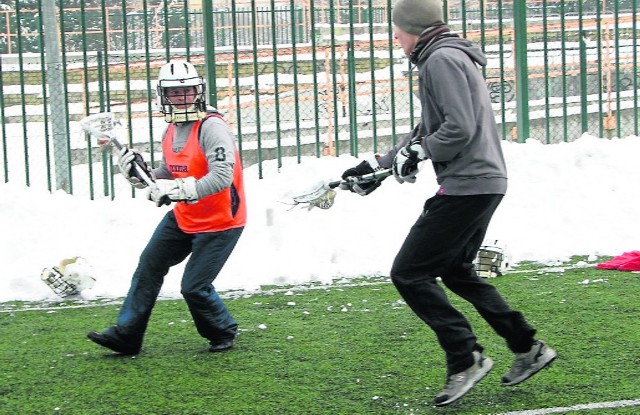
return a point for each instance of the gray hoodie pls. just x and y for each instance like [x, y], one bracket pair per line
[457, 121]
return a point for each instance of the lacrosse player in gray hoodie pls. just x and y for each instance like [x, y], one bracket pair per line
[458, 133]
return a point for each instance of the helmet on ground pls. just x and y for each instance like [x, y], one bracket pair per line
[181, 92]
[71, 276]
[492, 260]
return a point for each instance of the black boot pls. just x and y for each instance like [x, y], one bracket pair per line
[111, 340]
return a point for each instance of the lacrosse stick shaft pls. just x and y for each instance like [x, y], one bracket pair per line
[320, 194]
[366, 178]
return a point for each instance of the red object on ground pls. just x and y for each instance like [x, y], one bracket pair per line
[629, 261]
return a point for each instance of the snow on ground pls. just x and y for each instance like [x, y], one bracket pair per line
[578, 198]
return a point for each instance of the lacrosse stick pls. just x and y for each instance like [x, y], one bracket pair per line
[101, 126]
[323, 195]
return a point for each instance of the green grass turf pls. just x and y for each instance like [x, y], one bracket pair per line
[339, 349]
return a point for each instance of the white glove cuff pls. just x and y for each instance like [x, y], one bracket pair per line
[187, 188]
[373, 162]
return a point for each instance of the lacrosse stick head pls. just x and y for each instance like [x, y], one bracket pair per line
[102, 126]
[325, 201]
[320, 195]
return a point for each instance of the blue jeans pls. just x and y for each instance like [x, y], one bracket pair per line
[169, 246]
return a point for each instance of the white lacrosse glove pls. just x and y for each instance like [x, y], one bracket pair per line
[126, 158]
[163, 192]
[405, 164]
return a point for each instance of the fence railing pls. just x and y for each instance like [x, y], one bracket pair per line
[295, 79]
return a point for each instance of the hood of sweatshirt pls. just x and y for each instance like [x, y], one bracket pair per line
[423, 50]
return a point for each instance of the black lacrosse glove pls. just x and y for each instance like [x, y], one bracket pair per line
[350, 176]
[126, 159]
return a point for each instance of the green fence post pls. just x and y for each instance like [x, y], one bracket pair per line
[256, 84]
[3, 129]
[636, 72]
[103, 105]
[353, 98]
[521, 73]
[583, 81]
[209, 51]
[583, 70]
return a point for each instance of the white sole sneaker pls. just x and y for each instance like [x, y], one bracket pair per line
[459, 384]
[530, 363]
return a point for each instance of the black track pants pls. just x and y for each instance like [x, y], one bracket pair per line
[443, 243]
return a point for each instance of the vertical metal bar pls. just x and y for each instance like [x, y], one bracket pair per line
[236, 67]
[600, 73]
[547, 90]
[314, 68]
[127, 73]
[372, 71]
[210, 51]
[483, 38]
[635, 72]
[105, 55]
[296, 87]
[616, 14]
[103, 106]
[256, 83]
[59, 166]
[45, 102]
[167, 27]
[521, 72]
[187, 32]
[276, 88]
[392, 78]
[334, 75]
[582, 38]
[463, 17]
[353, 98]
[503, 117]
[145, 11]
[563, 54]
[3, 128]
[87, 92]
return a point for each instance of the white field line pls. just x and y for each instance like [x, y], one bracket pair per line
[588, 406]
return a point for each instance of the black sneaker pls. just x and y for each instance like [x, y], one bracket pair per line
[113, 343]
[528, 364]
[460, 383]
[220, 345]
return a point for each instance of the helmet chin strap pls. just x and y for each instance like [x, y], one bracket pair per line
[187, 115]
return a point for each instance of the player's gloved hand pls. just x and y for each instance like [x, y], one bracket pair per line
[126, 158]
[405, 164]
[352, 175]
[163, 192]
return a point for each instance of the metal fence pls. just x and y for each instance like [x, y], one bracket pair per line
[295, 78]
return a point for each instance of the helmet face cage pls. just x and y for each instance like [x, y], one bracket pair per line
[181, 93]
[490, 262]
[69, 278]
[58, 283]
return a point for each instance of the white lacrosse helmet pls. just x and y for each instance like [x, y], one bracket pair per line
[181, 92]
[70, 277]
[492, 260]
